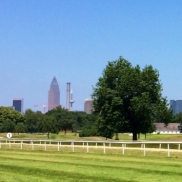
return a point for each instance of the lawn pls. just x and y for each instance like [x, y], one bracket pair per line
[51, 166]
[73, 136]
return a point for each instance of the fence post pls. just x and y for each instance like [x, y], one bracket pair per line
[87, 146]
[144, 151]
[9, 144]
[168, 150]
[179, 146]
[83, 145]
[45, 146]
[123, 148]
[0, 145]
[104, 148]
[21, 145]
[58, 146]
[110, 145]
[32, 145]
[160, 145]
[73, 149]
[96, 145]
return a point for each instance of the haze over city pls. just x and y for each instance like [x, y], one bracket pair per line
[74, 40]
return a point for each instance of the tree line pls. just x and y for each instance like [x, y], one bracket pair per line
[54, 121]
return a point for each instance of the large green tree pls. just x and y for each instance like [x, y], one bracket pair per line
[49, 125]
[64, 118]
[9, 118]
[32, 120]
[128, 99]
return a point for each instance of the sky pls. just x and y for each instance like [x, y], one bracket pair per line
[73, 40]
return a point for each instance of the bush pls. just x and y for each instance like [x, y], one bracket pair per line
[86, 132]
[53, 136]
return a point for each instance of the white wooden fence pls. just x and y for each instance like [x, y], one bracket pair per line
[123, 145]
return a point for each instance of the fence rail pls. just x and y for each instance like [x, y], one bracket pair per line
[104, 145]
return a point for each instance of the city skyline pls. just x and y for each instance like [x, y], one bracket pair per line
[75, 40]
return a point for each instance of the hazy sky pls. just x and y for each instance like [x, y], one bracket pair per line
[74, 39]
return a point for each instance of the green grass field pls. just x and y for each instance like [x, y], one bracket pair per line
[64, 165]
[72, 136]
[52, 166]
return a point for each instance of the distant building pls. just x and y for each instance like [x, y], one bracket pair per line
[88, 106]
[170, 128]
[53, 95]
[18, 105]
[176, 106]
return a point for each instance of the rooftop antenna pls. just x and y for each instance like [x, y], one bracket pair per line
[71, 101]
[68, 96]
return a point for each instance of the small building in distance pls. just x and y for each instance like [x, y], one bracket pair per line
[176, 106]
[18, 104]
[171, 128]
[88, 105]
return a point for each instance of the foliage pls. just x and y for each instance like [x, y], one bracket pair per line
[9, 118]
[49, 125]
[20, 128]
[128, 99]
[32, 120]
[64, 118]
[177, 118]
[8, 126]
[54, 121]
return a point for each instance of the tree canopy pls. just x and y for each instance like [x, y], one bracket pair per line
[9, 118]
[54, 121]
[129, 99]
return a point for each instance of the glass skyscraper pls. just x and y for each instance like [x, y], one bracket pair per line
[53, 95]
[18, 105]
[176, 106]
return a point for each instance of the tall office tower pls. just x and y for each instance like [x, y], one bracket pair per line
[54, 95]
[172, 104]
[18, 104]
[88, 106]
[176, 106]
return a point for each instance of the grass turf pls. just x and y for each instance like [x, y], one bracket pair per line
[48, 166]
[72, 136]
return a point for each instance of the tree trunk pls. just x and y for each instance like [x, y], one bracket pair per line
[48, 135]
[117, 136]
[134, 136]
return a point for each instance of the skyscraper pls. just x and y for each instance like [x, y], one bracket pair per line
[176, 106]
[54, 95]
[88, 106]
[18, 104]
